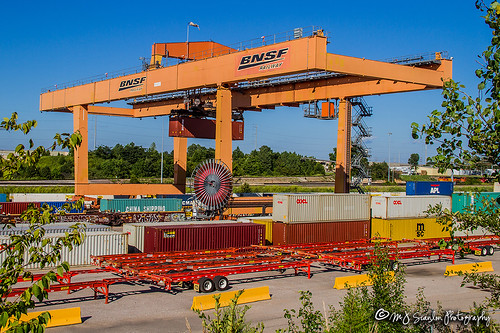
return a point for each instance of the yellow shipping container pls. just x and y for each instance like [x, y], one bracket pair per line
[268, 222]
[398, 229]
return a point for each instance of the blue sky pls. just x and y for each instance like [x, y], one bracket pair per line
[47, 43]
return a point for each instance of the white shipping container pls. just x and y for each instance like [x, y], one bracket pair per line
[95, 243]
[38, 197]
[135, 231]
[60, 227]
[302, 208]
[406, 206]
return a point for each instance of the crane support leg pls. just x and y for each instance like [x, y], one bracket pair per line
[343, 163]
[180, 163]
[223, 127]
[80, 123]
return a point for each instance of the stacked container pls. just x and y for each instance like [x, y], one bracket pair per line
[16, 208]
[54, 228]
[141, 205]
[185, 237]
[429, 188]
[314, 218]
[57, 207]
[464, 202]
[404, 217]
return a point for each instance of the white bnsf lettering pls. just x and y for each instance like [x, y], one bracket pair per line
[262, 60]
[132, 83]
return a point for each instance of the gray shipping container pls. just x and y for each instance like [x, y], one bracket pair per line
[95, 243]
[135, 231]
[406, 206]
[54, 228]
[303, 208]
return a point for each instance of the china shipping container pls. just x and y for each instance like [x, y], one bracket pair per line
[202, 236]
[406, 206]
[59, 227]
[416, 228]
[429, 188]
[488, 198]
[140, 205]
[39, 197]
[135, 231]
[187, 199]
[57, 206]
[94, 243]
[320, 232]
[16, 208]
[460, 202]
[303, 208]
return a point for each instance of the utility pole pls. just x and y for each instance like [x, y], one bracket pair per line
[161, 163]
[389, 163]
[95, 130]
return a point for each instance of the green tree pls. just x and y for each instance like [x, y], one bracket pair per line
[379, 170]
[413, 161]
[30, 247]
[467, 132]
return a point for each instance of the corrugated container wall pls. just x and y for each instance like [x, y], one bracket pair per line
[53, 228]
[3, 197]
[16, 208]
[135, 231]
[30, 197]
[417, 228]
[57, 207]
[322, 232]
[460, 201]
[187, 199]
[268, 222]
[429, 188]
[141, 205]
[202, 237]
[302, 208]
[488, 198]
[406, 206]
[95, 243]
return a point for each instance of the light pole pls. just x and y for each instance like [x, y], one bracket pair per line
[190, 24]
[161, 163]
[389, 163]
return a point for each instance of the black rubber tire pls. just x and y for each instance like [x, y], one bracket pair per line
[221, 283]
[206, 285]
[491, 250]
[282, 270]
[393, 265]
[484, 251]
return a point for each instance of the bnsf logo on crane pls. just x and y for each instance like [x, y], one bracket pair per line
[263, 60]
[132, 83]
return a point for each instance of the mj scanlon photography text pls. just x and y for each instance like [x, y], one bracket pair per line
[450, 316]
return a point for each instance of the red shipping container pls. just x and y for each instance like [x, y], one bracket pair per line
[321, 232]
[16, 208]
[186, 127]
[202, 236]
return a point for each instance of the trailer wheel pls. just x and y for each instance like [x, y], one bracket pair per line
[393, 265]
[484, 251]
[221, 283]
[491, 250]
[206, 285]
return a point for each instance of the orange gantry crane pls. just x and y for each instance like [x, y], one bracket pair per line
[214, 80]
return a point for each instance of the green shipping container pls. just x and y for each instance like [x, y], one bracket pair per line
[140, 205]
[460, 201]
[487, 196]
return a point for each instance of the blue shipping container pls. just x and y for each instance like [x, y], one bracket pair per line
[3, 197]
[429, 188]
[57, 207]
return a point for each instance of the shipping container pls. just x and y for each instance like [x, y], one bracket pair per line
[54, 228]
[491, 199]
[39, 197]
[57, 207]
[460, 202]
[202, 236]
[268, 222]
[16, 208]
[94, 243]
[416, 228]
[187, 199]
[429, 188]
[135, 231]
[320, 232]
[141, 205]
[304, 208]
[406, 206]
[3, 197]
